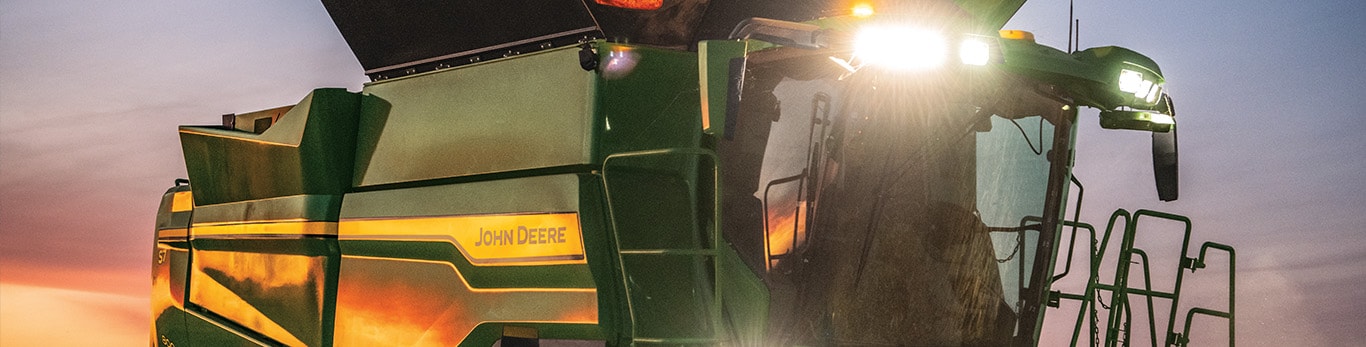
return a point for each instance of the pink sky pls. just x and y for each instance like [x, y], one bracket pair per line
[1273, 156]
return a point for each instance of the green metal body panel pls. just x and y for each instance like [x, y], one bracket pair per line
[169, 280]
[170, 269]
[342, 224]
[559, 192]
[291, 282]
[309, 151]
[647, 98]
[1089, 75]
[479, 119]
[313, 207]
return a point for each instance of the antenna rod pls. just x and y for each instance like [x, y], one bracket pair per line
[1071, 5]
[1078, 36]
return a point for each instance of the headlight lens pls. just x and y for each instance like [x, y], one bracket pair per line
[904, 49]
[1131, 81]
[973, 51]
[1153, 94]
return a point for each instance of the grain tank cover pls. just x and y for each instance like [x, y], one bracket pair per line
[423, 35]
[392, 39]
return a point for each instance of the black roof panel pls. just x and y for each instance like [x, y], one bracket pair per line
[391, 35]
[388, 37]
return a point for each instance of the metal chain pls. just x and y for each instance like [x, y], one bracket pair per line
[1014, 251]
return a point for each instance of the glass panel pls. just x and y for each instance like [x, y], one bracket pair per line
[1012, 183]
[786, 179]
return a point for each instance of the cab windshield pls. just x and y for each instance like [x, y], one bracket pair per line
[893, 208]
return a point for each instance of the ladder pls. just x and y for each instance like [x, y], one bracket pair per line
[1118, 322]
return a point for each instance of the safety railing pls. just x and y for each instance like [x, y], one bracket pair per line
[806, 183]
[1119, 321]
[769, 256]
[1182, 338]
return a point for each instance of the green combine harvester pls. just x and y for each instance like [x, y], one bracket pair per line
[669, 172]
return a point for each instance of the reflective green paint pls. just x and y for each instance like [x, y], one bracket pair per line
[664, 214]
[290, 283]
[714, 61]
[745, 299]
[1090, 76]
[646, 98]
[479, 119]
[545, 276]
[383, 301]
[549, 193]
[294, 207]
[308, 151]
[169, 280]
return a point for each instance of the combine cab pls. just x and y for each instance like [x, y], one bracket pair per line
[627, 172]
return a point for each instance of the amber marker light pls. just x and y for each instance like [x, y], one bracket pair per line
[633, 4]
[182, 201]
[1017, 35]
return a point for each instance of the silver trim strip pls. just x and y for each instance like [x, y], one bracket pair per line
[485, 49]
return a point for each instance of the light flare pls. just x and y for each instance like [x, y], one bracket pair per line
[862, 10]
[901, 48]
[974, 52]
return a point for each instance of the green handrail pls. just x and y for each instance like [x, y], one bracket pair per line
[1087, 295]
[1195, 264]
[1120, 316]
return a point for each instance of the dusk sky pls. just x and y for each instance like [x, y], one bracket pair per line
[1270, 94]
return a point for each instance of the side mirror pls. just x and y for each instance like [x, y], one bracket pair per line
[1164, 156]
[1164, 164]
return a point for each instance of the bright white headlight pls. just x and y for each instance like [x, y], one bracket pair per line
[974, 52]
[1131, 81]
[1153, 93]
[901, 48]
[1143, 89]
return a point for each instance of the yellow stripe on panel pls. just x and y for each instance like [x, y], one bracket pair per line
[487, 240]
[268, 228]
[173, 233]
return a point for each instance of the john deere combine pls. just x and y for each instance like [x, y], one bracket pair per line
[631, 172]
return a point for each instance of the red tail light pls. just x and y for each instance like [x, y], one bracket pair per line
[633, 4]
